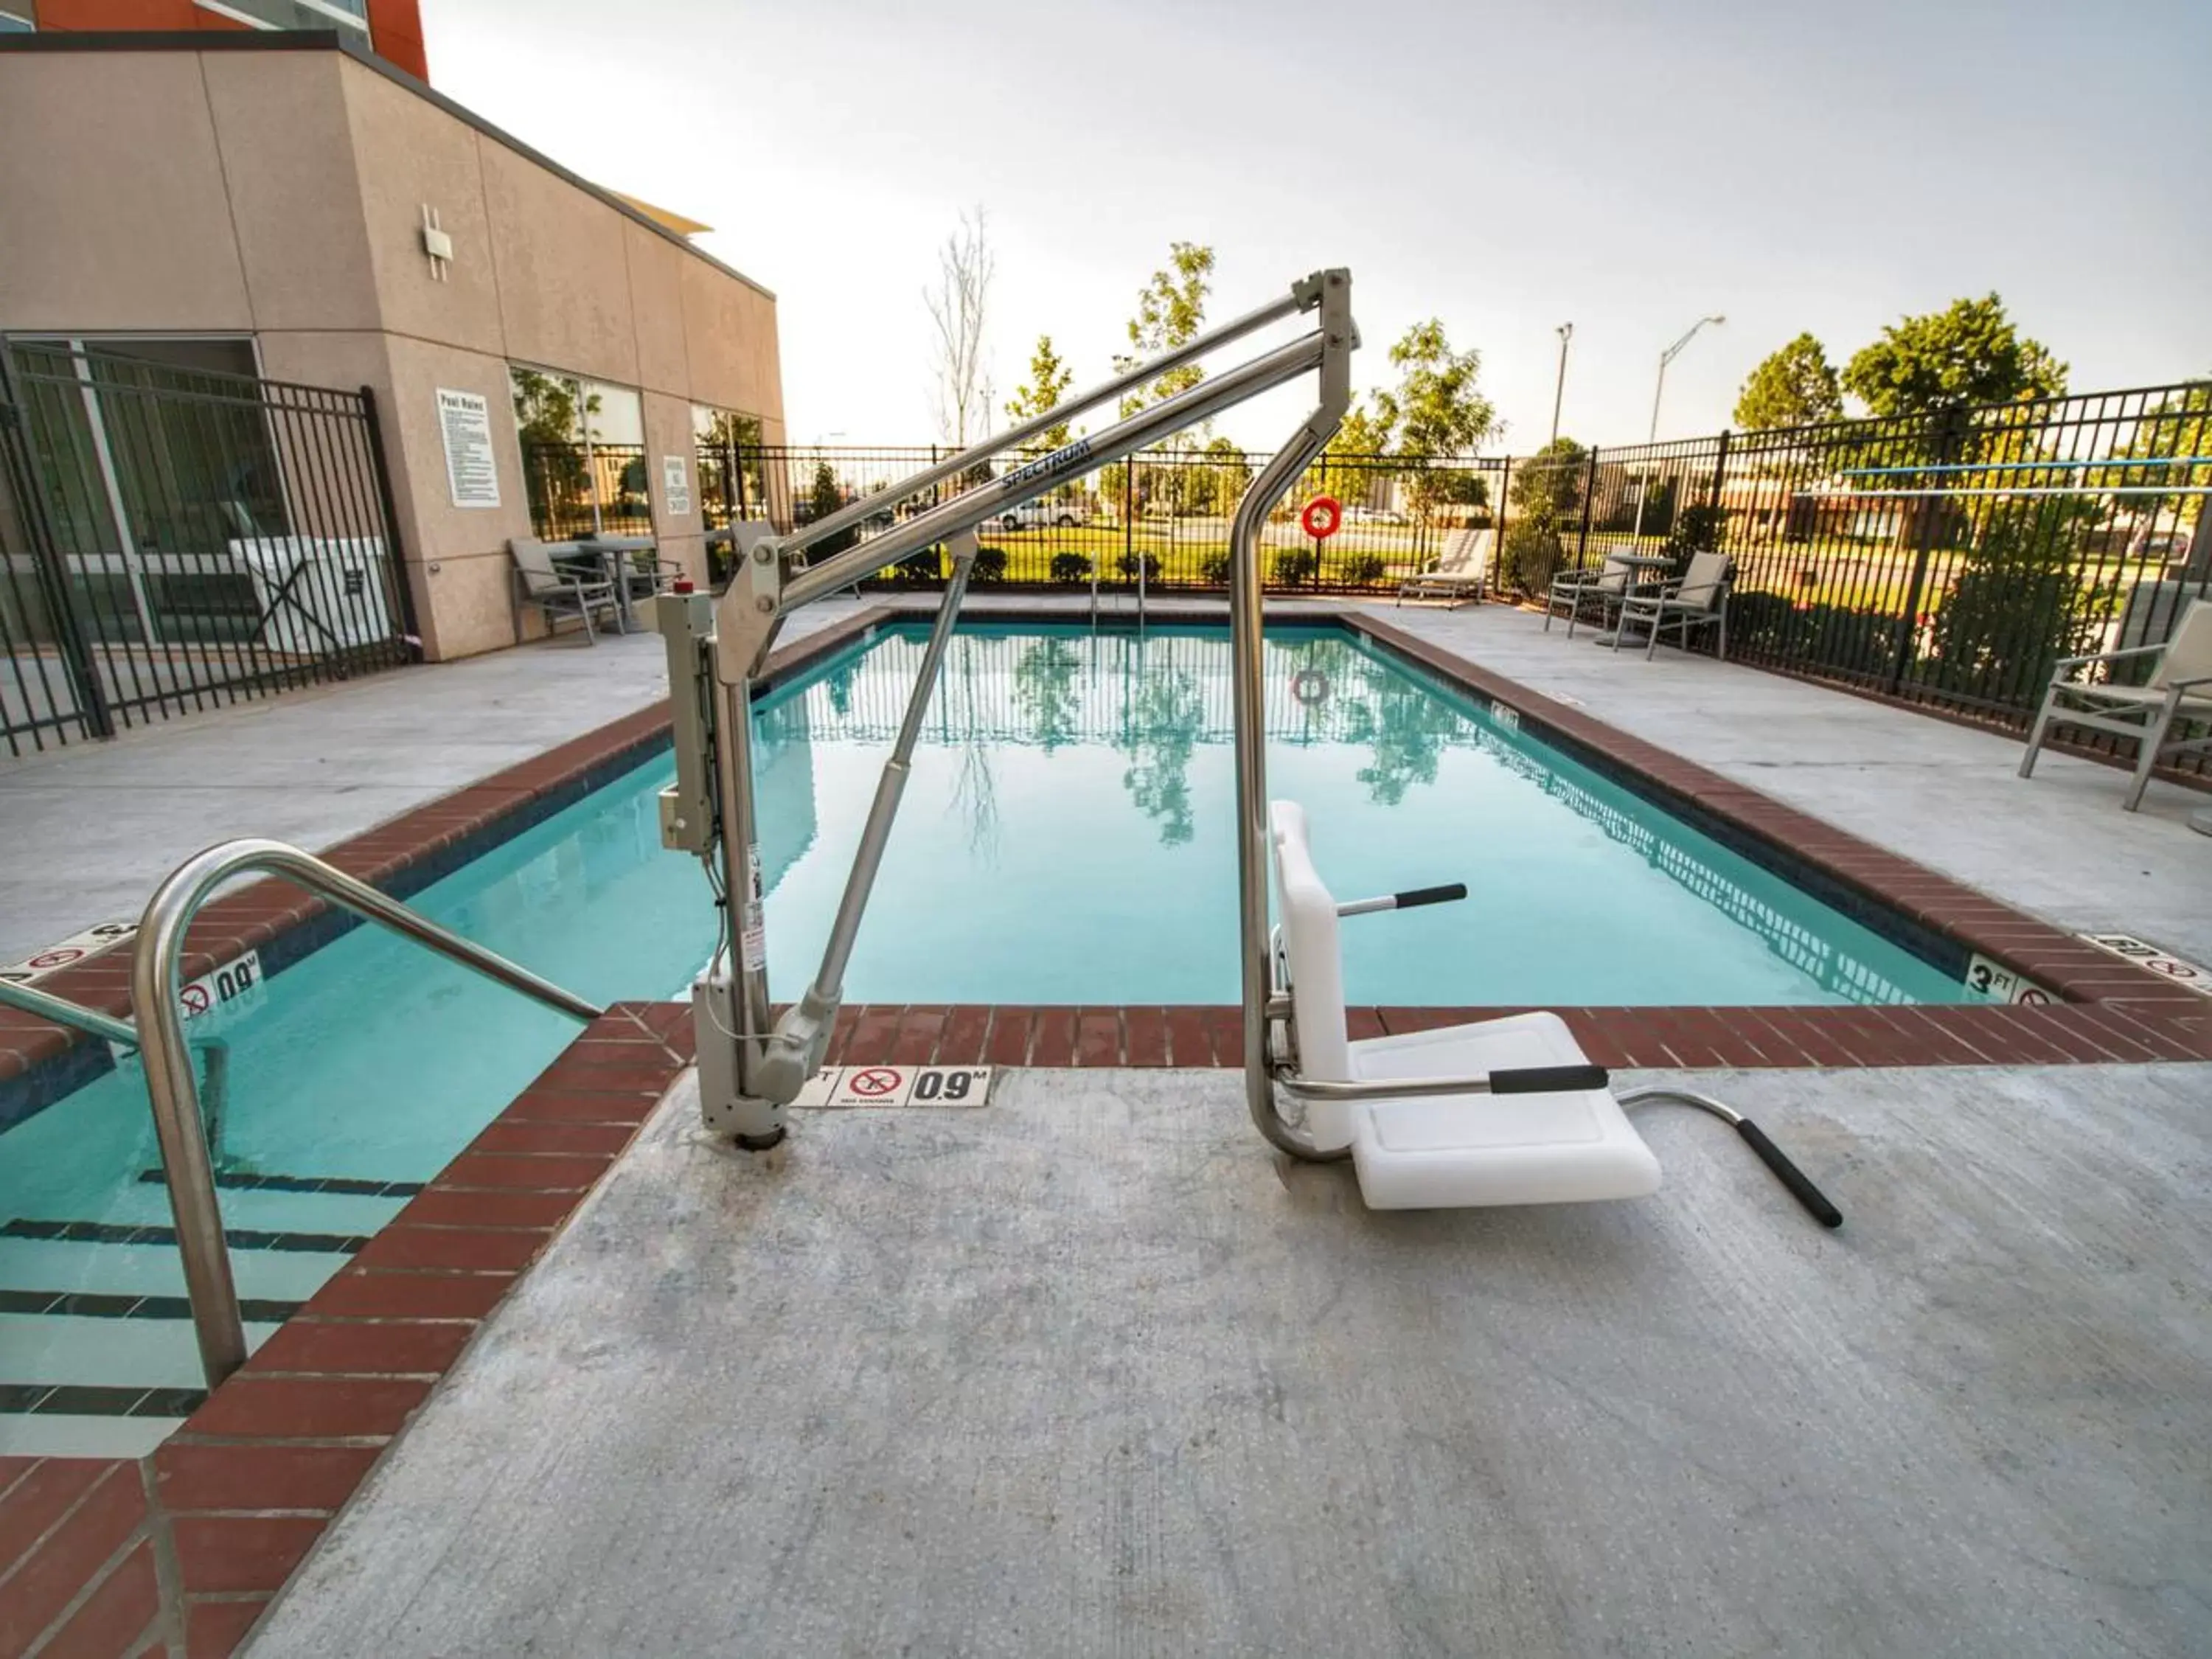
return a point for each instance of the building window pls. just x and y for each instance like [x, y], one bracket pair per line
[583, 455]
[294, 14]
[728, 446]
[157, 458]
[14, 23]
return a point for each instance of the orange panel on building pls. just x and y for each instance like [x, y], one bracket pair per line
[395, 27]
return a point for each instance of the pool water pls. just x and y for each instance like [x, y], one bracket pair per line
[1066, 837]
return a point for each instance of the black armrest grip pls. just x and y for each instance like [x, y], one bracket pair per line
[1547, 1079]
[1444, 895]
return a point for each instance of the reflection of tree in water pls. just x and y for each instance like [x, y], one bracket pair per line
[975, 790]
[1046, 692]
[1160, 733]
[1410, 727]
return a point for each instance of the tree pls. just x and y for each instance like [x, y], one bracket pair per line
[1354, 468]
[2180, 426]
[825, 497]
[1170, 311]
[959, 305]
[1217, 481]
[1797, 386]
[548, 411]
[1548, 485]
[1048, 384]
[1439, 410]
[1969, 352]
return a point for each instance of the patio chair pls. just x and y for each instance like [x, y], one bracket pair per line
[1608, 585]
[557, 591]
[1459, 572]
[2179, 690]
[1698, 599]
[1546, 1130]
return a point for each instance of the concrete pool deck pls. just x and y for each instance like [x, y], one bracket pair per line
[1092, 1371]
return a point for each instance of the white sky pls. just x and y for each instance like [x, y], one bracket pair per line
[1506, 167]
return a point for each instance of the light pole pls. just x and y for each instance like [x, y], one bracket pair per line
[1644, 484]
[1566, 333]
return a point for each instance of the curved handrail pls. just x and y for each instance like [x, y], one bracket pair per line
[185, 1168]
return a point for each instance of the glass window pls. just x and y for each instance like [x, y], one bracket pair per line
[158, 455]
[294, 14]
[583, 455]
[12, 23]
[729, 466]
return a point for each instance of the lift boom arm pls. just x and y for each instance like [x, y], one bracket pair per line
[751, 1068]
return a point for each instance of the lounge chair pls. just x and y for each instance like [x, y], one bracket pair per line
[557, 592]
[2179, 690]
[1460, 572]
[1572, 589]
[1546, 1130]
[1700, 600]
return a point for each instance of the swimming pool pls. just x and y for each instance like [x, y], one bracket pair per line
[1065, 838]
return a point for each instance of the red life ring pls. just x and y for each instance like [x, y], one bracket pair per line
[1323, 517]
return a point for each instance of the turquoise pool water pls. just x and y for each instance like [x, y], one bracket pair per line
[1065, 838]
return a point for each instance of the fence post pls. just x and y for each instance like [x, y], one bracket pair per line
[1720, 469]
[396, 556]
[1589, 501]
[1949, 430]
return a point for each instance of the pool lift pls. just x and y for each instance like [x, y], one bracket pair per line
[1503, 1111]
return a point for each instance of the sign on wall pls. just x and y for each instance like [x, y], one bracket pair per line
[464, 419]
[675, 485]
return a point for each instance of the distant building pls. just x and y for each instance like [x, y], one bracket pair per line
[302, 207]
[392, 29]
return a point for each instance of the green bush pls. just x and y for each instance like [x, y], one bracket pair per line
[921, 569]
[1814, 636]
[988, 569]
[1071, 567]
[1695, 530]
[1529, 554]
[1127, 564]
[1363, 570]
[2018, 605]
[1294, 566]
[1214, 570]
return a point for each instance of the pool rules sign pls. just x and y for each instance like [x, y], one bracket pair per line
[465, 421]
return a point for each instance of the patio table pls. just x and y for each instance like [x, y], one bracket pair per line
[1643, 568]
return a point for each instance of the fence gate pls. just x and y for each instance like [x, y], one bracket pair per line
[174, 538]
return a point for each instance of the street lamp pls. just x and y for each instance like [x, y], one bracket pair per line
[1566, 333]
[1644, 485]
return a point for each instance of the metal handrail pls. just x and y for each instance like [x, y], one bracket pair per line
[62, 1012]
[185, 1168]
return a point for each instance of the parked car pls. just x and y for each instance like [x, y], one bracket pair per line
[1036, 515]
[1373, 515]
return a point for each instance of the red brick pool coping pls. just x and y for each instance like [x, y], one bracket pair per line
[183, 1550]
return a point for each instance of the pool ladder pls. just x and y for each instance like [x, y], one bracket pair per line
[171, 1085]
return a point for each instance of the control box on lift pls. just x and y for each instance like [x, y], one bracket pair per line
[686, 624]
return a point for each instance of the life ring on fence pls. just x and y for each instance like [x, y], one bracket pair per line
[1323, 517]
[1310, 687]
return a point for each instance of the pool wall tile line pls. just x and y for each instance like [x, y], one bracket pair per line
[181, 1551]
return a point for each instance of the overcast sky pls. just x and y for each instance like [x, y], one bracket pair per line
[1625, 166]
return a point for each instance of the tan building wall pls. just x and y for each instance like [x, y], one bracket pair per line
[279, 192]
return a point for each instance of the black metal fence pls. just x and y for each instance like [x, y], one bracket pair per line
[578, 490]
[1948, 560]
[1162, 518]
[178, 539]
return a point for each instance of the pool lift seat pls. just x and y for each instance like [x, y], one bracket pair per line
[1500, 1111]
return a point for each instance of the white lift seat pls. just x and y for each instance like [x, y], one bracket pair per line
[1442, 1151]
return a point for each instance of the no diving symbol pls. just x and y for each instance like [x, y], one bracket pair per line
[874, 1082]
[195, 999]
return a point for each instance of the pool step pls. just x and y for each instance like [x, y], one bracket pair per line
[98, 1355]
